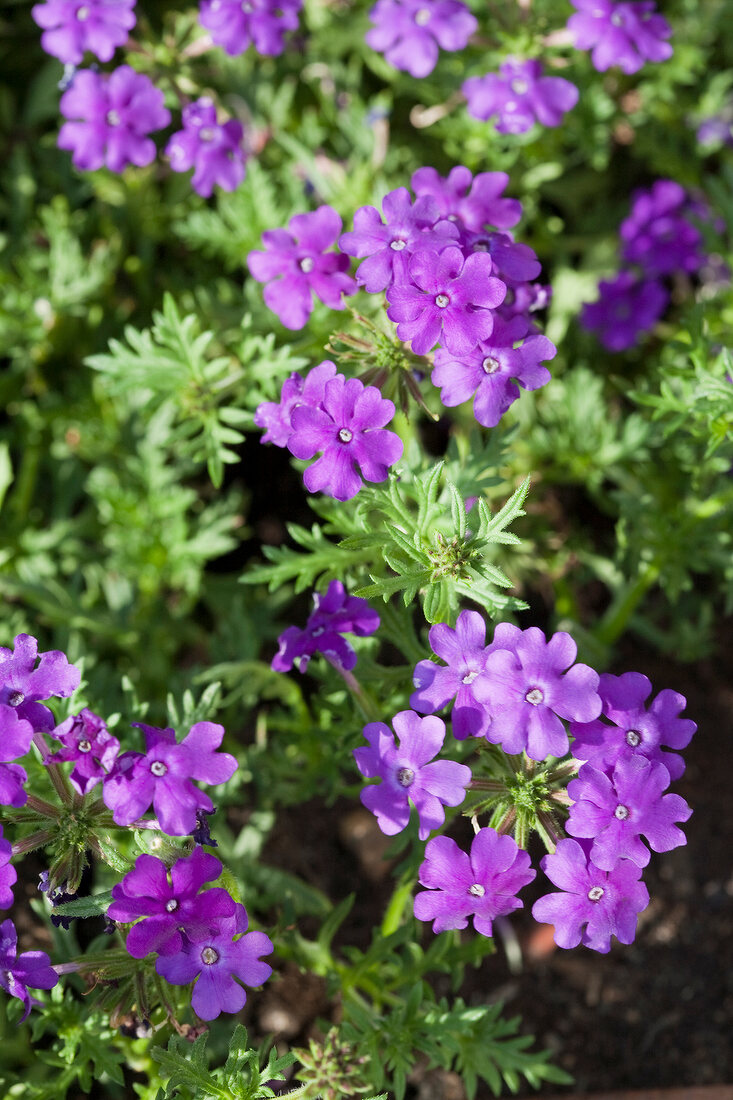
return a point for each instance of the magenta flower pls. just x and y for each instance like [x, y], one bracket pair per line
[635, 730]
[8, 874]
[623, 34]
[520, 95]
[217, 961]
[71, 28]
[658, 235]
[627, 307]
[333, 615]
[450, 299]
[389, 244]
[236, 24]
[22, 685]
[465, 651]
[409, 32]
[348, 428]
[483, 885]
[214, 150]
[295, 265]
[111, 116]
[406, 774]
[17, 972]
[16, 735]
[594, 904]
[616, 811]
[162, 776]
[275, 416]
[89, 744]
[513, 262]
[528, 691]
[492, 369]
[174, 910]
[473, 202]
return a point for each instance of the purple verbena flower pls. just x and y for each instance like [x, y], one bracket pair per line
[162, 776]
[409, 774]
[70, 27]
[214, 150]
[275, 416]
[88, 743]
[513, 262]
[623, 34]
[520, 95]
[616, 811]
[449, 298]
[388, 245]
[173, 909]
[636, 731]
[717, 130]
[17, 972]
[523, 299]
[594, 904]
[465, 651]
[8, 874]
[658, 235]
[295, 265]
[483, 885]
[473, 202]
[333, 615]
[348, 427]
[111, 115]
[627, 307]
[216, 961]
[16, 735]
[409, 32]
[22, 685]
[528, 691]
[236, 24]
[492, 369]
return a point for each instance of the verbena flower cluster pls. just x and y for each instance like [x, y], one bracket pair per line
[619, 32]
[660, 239]
[199, 936]
[520, 95]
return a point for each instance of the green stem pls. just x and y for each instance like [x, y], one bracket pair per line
[616, 618]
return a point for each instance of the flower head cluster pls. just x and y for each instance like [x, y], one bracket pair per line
[334, 614]
[409, 774]
[520, 95]
[410, 32]
[483, 884]
[295, 265]
[658, 239]
[193, 932]
[342, 419]
[110, 117]
[23, 685]
[71, 28]
[626, 34]
[455, 276]
[89, 745]
[237, 24]
[163, 775]
[214, 150]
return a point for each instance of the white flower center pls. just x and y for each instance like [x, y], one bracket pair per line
[206, 134]
[477, 890]
[159, 768]
[519, 86]
[535, 697]
[113, 118]
[490, 365]
[82, 14]
[595, 893]
[306, 265]
[422, 16]
[84, 745]
[617, 19]
[15, 698]
[405, 777]
[318, 631]
[621, 813]
[171, 906]
[398, 246]
[442, 300]
[469, 678]
[346, 435]
[209, 956]
[633, 738]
